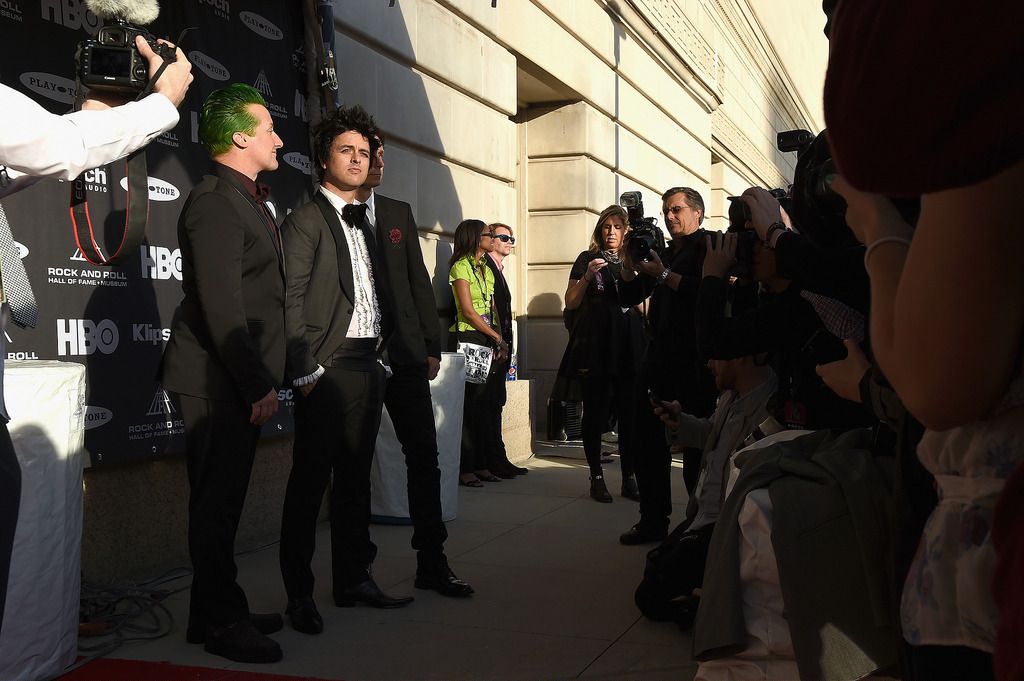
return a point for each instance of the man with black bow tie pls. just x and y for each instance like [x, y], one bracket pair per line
[339, 317]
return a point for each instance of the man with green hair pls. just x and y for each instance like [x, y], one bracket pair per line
[225, 360]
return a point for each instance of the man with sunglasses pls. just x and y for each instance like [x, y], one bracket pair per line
[414, 354]
[503, 243]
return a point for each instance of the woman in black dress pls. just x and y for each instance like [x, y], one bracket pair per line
[600, 353]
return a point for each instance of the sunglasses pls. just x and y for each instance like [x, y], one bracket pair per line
[505, 237]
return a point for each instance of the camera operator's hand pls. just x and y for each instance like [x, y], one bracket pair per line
[720, 255]
[652, 267]
[433, 367]
[844, 376]
[174, 81]
[308, 388]
[870, 216]
[669, 413]
[764, 210]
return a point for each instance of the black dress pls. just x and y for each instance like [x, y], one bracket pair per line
[599, 363]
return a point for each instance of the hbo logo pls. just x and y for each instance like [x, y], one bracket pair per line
[160, 263]
[84, 336]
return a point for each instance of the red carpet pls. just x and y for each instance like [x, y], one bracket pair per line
[132, 670]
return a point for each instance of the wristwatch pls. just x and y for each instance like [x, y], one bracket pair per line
[663, 276]
[772, 228]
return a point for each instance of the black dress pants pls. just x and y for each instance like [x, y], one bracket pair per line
[407, 398]
[10, 498]
[335, 430]
[603, 396]
[221, 446]
[652, 463]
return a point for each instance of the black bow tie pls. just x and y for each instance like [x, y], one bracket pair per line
[262, 192]
[354, 214]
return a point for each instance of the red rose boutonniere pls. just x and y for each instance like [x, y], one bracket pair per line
[395, 235]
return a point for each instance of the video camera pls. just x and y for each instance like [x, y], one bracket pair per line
[111, 61]
[644, 234]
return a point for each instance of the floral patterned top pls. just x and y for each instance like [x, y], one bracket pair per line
[947, 597]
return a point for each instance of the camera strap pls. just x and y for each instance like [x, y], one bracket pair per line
[136, 213]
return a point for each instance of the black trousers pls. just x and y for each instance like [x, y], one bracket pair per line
[221, 446]
[603, 395]
[335, 431]
[407, 398]
[653, 464]
[10, 498]
[481, 416]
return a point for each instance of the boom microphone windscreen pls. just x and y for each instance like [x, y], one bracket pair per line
[138, 12]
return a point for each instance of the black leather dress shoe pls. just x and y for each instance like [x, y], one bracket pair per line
[267, 623]
[304, 616]
[639, 534]
[441, 579]
[241, 642]
[370, 594]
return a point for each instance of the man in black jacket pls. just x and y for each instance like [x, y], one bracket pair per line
[340, 317]
[414, 354]
[671, 368]
[225, 360]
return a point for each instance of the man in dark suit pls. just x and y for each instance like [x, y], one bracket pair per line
[503, 243]
[414, 354]
[340, 315]
[225, 360]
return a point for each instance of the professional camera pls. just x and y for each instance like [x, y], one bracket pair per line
[644, 234]
[111, 61]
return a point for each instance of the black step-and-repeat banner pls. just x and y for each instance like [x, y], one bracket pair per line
[116, 320]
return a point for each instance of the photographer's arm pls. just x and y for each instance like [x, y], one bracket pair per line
[947, 312]
[35, 143]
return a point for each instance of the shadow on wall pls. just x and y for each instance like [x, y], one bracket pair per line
[443, 290]
[545, 305]
[374, 49]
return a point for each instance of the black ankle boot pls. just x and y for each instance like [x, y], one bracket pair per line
[630, 489]
[598, 490]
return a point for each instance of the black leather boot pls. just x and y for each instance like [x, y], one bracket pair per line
[598, 490]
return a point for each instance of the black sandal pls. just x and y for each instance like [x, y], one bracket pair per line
[475, 482]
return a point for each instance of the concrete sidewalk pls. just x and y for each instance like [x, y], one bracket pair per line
[554, 595]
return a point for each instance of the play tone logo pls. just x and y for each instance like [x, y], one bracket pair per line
[50, 86]
[261, 26]
[208, 65]
[159, 190]
[299, 162]
[97, 416]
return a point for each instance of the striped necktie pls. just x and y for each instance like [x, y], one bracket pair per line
[24, 311]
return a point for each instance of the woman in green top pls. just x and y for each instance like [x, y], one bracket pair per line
[476, 322]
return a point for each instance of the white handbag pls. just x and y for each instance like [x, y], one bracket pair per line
[478, 361]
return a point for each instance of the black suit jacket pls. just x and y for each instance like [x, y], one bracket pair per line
[228, 335]
[417, 327]
[321, 286]
[502, 302]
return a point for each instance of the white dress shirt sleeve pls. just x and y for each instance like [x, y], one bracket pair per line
[36, 143]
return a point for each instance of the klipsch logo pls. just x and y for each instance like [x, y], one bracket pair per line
[71, 14]
[160, 263]
[159, 190]
[85, 337]
[298, 161]
[10, 10]
[221, 8]
[261, 26]
[95, 180]
[208, 65]
[48, 85]
[97, 416]
[22, 250]
[147, 333]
